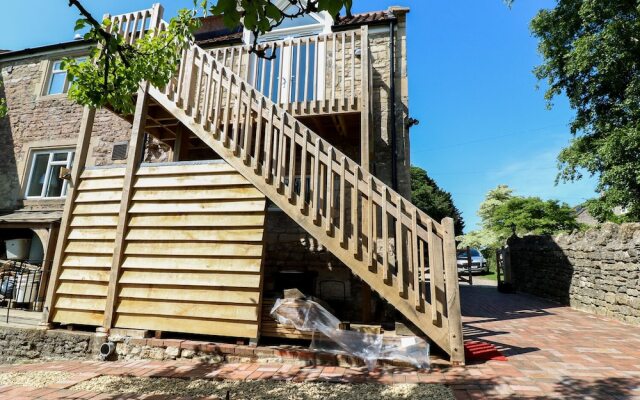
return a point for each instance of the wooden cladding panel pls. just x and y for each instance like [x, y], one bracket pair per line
[86, 260]
[192, 252]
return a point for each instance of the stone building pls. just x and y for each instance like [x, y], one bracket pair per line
[343, 78]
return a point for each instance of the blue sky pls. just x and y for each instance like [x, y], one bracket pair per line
[483, 122]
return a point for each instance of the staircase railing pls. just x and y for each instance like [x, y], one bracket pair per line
[313, 73]
[396, 248]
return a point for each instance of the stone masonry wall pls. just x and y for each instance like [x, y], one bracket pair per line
[18, 344]
[596, 271]
[35, 121]
[379, 44]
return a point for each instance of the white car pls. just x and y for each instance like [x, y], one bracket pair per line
[478, 262]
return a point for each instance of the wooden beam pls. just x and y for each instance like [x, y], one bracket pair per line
[456, 340]
[82, 148]
[133, 161]
[366, 144]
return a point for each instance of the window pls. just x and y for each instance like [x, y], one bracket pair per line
[58, 82]
[44, 174]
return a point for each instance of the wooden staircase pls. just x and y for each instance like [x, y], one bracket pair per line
[398, 250]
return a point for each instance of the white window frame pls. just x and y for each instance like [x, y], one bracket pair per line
[50, 163]
[50, 74]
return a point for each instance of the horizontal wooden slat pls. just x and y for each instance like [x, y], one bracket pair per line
[198, 207]
[229, 193]
[188, 309]
[102, 172]
[99, 208]
[190, 279]
[81, 303]
[198, 235]
[190, 180]
[193, 249]
[103, 220]
[186, 325]
[197, 220]
[192, 294]
[82, 274]
[83, 288]
[100, 184]
[92, 233]
[77, 317]
[185, 169]
[87, 261]
[90, 247]
[99, 196]
[211, 264]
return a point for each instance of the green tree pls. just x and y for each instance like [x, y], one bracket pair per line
[591, 52]
[430, 198]
[531, 215]
[113, 72]
[486, 237]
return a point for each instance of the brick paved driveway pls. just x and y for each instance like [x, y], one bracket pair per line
[553, 352]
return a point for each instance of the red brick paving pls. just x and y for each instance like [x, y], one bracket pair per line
[553, 352]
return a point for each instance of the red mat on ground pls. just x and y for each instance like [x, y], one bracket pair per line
[482, 351]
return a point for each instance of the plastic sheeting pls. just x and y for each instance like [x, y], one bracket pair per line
[309, 316]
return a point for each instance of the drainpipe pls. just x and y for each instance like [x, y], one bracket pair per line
[392, 94]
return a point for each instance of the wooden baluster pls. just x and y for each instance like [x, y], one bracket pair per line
[134, 30]
[306, 75]
[371, 227]
[263, 74]
[435, 271]
[343, 199]
[183, 66]
[296, 98]
[258, 144]
[245, 151]
[355, 194]
[280, 78]
[197, 115]
[232, 59]
[267, 144]
[209, 94]
[236, 120]
[399, 239]
[143, 24]
[280, 157]
[227, 112]
[423, 271]
[215, 120]
[330, 189]
[343, 67]
[316, 181]
[271, 73]
[292, 159]
[352, 56]
[413, 259]
[125, 35]
[316, 61]
[385, 234]
[334, 66]
[224, 56]
[303, 169]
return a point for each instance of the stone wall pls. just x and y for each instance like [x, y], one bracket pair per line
[18, 344]
[291, 248]
[38, 122]
[379, 45]
[595, 271]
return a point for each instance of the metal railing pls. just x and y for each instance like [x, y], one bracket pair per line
[23, 284]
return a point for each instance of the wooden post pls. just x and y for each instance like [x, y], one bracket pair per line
[86, 126]
[469, 265]
[366, 144]
[454, 315]
[134, 158]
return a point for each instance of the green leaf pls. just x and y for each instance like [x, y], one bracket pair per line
[80, 24]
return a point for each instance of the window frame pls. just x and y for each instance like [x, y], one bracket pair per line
[51, 72]
[50, 164]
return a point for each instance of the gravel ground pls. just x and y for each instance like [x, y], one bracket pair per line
[266, 389]
[35, 379]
